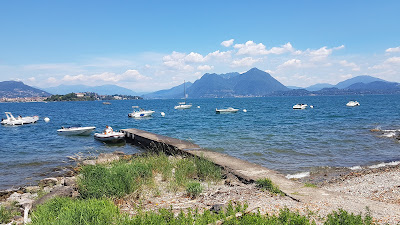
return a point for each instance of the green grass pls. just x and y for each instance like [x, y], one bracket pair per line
[268, 185]
[103, 211]
[6, 214]
[310, 185]
[125, 177]
[68, 211]
[115, 181]
[193, 189]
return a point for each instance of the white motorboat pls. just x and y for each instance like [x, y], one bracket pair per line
[300, 106]
[352, 103]
[11, 120]
[183, 105]
[227, 110]
[109, 135]
[140, 113]
[75, 130]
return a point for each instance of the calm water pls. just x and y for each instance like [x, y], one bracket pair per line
[270, 133]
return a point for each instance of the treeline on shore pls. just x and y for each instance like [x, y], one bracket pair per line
[89, 96]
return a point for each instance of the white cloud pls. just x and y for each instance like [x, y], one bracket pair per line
[250, 48]
[205, 67]
[218, 55]
[248, 61]
[281, 50]
[349, 64]
[393, 60]
[194, 57]
[291, 63]
[129, 76]
[227, 43]
[393, 50]
[322, 53]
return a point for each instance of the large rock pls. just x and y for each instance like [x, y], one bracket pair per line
[51, 181]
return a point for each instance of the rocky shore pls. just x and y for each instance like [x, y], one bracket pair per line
[376, 184]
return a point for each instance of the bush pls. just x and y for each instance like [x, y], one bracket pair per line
[266, 184]
[193, 189]
[343, 217]
[68, 211]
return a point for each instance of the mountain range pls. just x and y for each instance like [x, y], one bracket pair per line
[253, 83]
[256, 82]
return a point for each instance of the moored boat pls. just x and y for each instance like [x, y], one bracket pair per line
[300, 106]
[109, 135]
[11, 120]
[140, 113]
[352, 103]
[183, 105]
[75, 130]
[227, 110]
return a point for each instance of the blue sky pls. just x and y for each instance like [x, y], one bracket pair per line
[152, 45]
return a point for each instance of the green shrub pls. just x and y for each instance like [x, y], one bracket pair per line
[68, 211]
[193, 189]
[343, 217]
[266, 184]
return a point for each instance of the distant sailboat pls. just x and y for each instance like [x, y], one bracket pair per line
[183, 105]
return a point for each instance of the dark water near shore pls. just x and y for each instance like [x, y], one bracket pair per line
[270, 133]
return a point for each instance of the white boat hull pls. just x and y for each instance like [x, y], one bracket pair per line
[183, 106]
[140, 114]
[76, 131]
[352, 103]
[300, 106]
[12, 121]
[224, 111]
[109, 137]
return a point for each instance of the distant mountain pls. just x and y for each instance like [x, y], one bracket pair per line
[254, 82]
[317, 87]
[375, 86]
[175, 92]
[15, 89]
[359, 79]
[294, 87]
[101, 90]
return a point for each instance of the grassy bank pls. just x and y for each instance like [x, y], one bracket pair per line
[100, 186]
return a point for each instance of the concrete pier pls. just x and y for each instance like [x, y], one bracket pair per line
[250, 172]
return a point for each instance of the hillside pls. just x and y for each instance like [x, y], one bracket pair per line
[251, 83]
[359, 79]
[17, 89]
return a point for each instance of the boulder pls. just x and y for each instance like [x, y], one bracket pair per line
[51, 181]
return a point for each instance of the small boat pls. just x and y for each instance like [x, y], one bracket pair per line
[11, 120]
[227, 110]
[300, 106]
[352, 103]
[106, 103]
[140, 113]
[75, 130]
[109, 135]
[183, 105]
